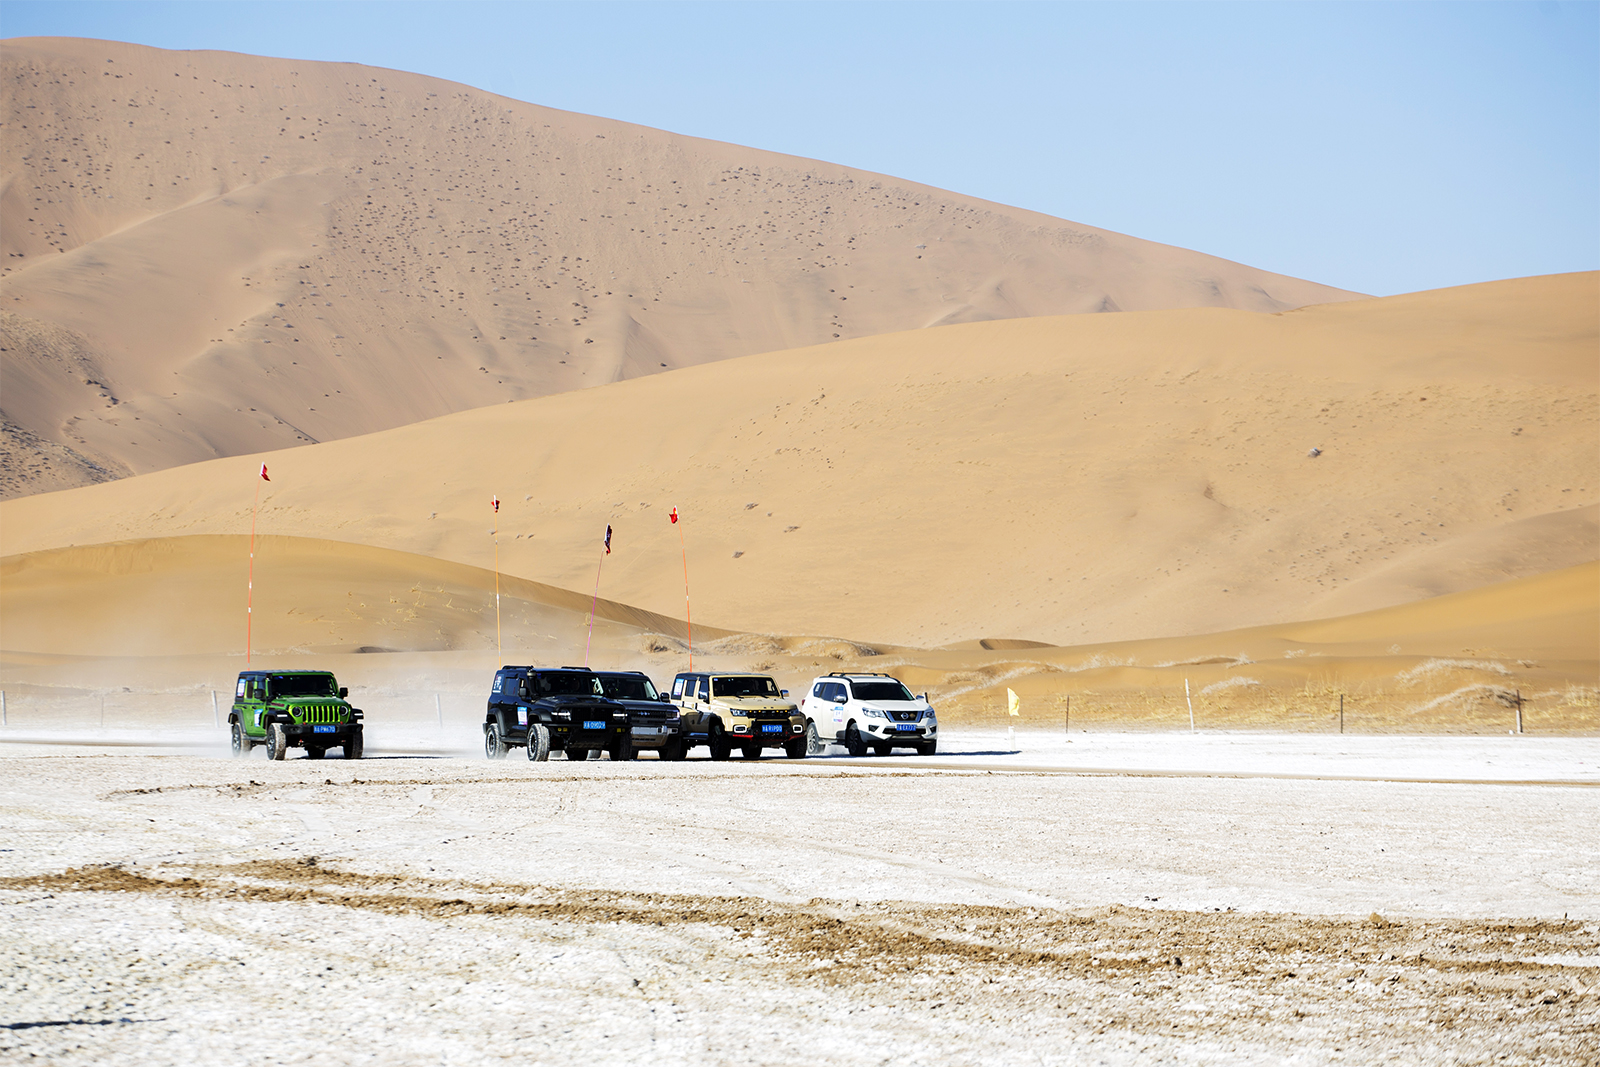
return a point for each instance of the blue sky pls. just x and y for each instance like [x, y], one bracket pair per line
[1379, 147]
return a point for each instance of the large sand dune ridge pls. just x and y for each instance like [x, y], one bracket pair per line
[1069, 480]
[209, 254]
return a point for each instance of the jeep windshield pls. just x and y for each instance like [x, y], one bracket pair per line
[304, 685]
[564, 683]
[880, 691]
[628, 687]
[743, 687]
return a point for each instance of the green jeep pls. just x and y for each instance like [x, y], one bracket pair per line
[293, 709]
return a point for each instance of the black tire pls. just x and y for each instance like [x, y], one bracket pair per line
[239, 741]
[928, 748]
[315, 752]
[853, 742]
[881, 750]
[717, 741]
[494, 745]
[815, 745]
[750, 751]
[577, 753]
[277, 742]
[538, 743]
[355, 744]
[672, 750]
[623, 750]
[799, 748]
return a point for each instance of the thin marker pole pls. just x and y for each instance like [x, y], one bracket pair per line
[1341, 713]
[216, 720]
[499, 649]
[1187, 698]
[438, 710]
[688, 617]
[594, 602]
[250, 584]
[1519, 711]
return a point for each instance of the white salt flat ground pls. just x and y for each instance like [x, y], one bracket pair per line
[140, 977]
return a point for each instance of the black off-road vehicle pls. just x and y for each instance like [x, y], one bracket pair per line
[548, 710]
[652, 715]
[293, 709]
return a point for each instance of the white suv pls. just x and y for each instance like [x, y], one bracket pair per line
[867, 713]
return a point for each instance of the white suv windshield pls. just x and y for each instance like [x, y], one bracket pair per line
[743, 687]
[880, 691]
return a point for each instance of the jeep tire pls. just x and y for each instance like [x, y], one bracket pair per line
[494, 746]
[815, 745]
[355, 743]
[538, 743]
[277, 742]
[717, 740]
[577, 753]
[750, 751]
[853, 742]
[239, 740]
[672, 750]
[315, 751]
[623, 748]
[799, 747]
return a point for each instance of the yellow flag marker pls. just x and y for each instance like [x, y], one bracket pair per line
[1013, 703]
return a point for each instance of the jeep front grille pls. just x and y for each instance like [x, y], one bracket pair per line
[321, 713]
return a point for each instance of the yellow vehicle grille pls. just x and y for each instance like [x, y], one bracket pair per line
[321, 713]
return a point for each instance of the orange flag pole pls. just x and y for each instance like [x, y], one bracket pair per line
[595, 601]
[250, 582]
[499, 652]
[687, 617]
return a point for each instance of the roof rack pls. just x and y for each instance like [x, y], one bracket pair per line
[857, 674]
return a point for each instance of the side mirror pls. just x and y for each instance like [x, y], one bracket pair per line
[783, 692]
[665, 698]
[844, 698]
[522, 689]
[343, 692]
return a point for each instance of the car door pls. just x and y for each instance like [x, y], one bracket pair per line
[837, 705]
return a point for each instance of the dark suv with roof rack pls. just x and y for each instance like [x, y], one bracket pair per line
[545, 710]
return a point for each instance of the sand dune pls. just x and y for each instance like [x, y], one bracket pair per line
[1068, 480]
[210, 254]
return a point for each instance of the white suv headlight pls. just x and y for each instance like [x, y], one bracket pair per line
[873, 713]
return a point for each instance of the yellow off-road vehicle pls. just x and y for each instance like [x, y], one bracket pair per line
[721, 711]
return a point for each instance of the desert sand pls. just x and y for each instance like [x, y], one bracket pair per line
[209, 254]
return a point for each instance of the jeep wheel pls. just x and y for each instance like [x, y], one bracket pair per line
[853, 743]
[314, 751]
[578, 753]
[815, 745]
[717, 740]
[799, 748]
[239, 741]
[494, 746]
[623, 749]
[355, 744]
[928, 748]
[672, 750]
[750, 751]
[538, 743]
[277, 742]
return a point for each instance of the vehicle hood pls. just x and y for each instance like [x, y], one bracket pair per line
[782, 704]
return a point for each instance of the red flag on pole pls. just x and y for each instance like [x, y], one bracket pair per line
[494, 502]
[264, 473]
[673, 516]
[608, 539]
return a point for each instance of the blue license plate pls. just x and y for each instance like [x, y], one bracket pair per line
[595, 724]
[772, 728]
[324, 729]
[905, 726]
